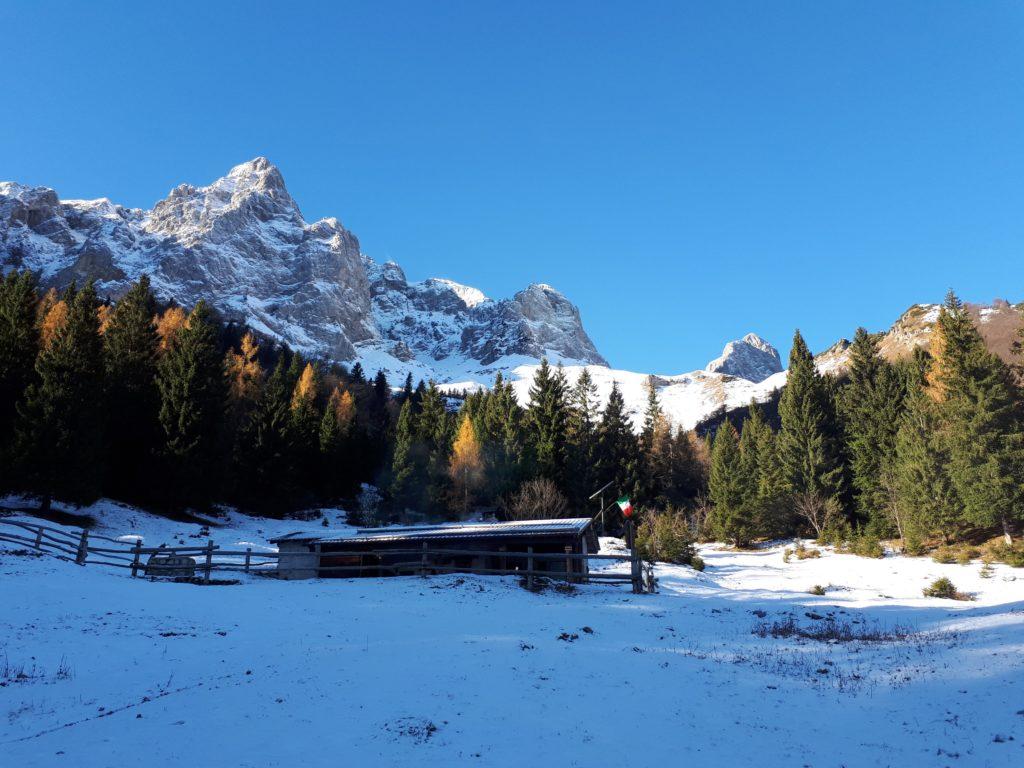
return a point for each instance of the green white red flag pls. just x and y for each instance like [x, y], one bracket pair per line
[626, 506]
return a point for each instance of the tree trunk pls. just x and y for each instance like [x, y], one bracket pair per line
[1007, 531]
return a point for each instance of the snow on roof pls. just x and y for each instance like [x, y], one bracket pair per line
[447, 531]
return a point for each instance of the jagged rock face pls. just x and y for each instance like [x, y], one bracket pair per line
[751, 358]
[442, 320]
[242, 244]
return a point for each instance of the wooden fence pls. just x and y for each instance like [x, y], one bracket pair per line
[80, 547]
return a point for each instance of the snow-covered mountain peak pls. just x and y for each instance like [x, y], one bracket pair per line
[470, 296]
[751, 358]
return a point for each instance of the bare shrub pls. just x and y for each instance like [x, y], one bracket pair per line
[819, 512]
[537, 499]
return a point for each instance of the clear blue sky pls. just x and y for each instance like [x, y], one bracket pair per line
[685, 172]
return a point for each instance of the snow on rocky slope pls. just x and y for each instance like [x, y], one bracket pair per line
[461, 670]
[242, 244]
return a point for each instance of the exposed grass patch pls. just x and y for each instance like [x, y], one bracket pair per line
[832, 630]
[800, 552]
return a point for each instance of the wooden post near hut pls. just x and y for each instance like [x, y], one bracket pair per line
[423, 561]
[529, 568]
[634, 558]
[207, 567]
[568, 564]
[83, 548]
[39, 538]
[135, 557]
[248, 558]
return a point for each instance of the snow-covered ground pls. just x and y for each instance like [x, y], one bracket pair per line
[461, 670]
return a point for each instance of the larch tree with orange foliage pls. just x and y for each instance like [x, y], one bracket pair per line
[466, 466]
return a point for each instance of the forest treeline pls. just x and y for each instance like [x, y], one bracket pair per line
[172, 408]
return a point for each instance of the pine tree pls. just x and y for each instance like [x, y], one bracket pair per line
[504, 439]
[130, 345]
[190, 378]
[19, 343]
[807, 446]
[434, 438]
[466, 467]
[731, 518]
[872, 406]
[546, 417]
[758, 472]
[581, 426]
[922, 500]
[356, 375]
[617, 456]
[262, 459]
[984, 424]
[404, 487]
[407, 388]
[59, 441]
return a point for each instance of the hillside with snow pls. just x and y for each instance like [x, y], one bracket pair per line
[98, 669]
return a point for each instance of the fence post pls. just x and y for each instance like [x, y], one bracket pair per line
[39, 538]
[83, 548]
[209, 562]
[634, 559]
[529, 568]
[135, 557]
[568, 564]
[248, 557]
[423, 561]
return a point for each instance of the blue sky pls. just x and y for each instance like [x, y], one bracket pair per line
[685, 172]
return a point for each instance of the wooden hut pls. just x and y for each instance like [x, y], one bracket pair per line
[537, 546]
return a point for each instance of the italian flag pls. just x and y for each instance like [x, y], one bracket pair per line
[626, 506]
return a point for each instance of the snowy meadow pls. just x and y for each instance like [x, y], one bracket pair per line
[98, 669]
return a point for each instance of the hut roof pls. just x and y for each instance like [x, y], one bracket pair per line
[447, 531]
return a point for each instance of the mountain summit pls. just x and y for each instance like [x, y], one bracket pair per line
[751, 358]
[242, 244]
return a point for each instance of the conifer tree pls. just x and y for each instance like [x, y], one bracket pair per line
[503, 427]
[923, 501]
[872, 405]
[303, 432]
[262, 459]
[190, 378]
[356, 374]
[466, 467]
[407, 388]
[731, 518]
[984, 426]
[19, 343]
[60, 419]
[546, 417]
[244, 375]
[807, 446]
[336, 432]
[404, 487]
[617, 456]
[581, 427]
[130, 345]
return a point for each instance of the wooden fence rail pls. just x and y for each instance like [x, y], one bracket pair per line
[76, 547]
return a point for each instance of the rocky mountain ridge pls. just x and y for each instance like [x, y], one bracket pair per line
[242, 244]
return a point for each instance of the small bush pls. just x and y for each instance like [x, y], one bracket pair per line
[817, 589]
[945, 588]
[866, 545]
[961, 554]
[987, 571]
[802, 552]
[831, 630]
[665, 537]
[697, 563]
[1011, 554]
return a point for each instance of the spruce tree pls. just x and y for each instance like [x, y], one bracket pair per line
[731, 519]
[984, 424]
[434, 438]
[617, 455]
[872, 406]
[303, 434]
[807, 445]
[262, 459]
[19, 344]
[190, 378]
[581, 420]
[546, 416]
[404, 487]
[130, 345]
[59, 441]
